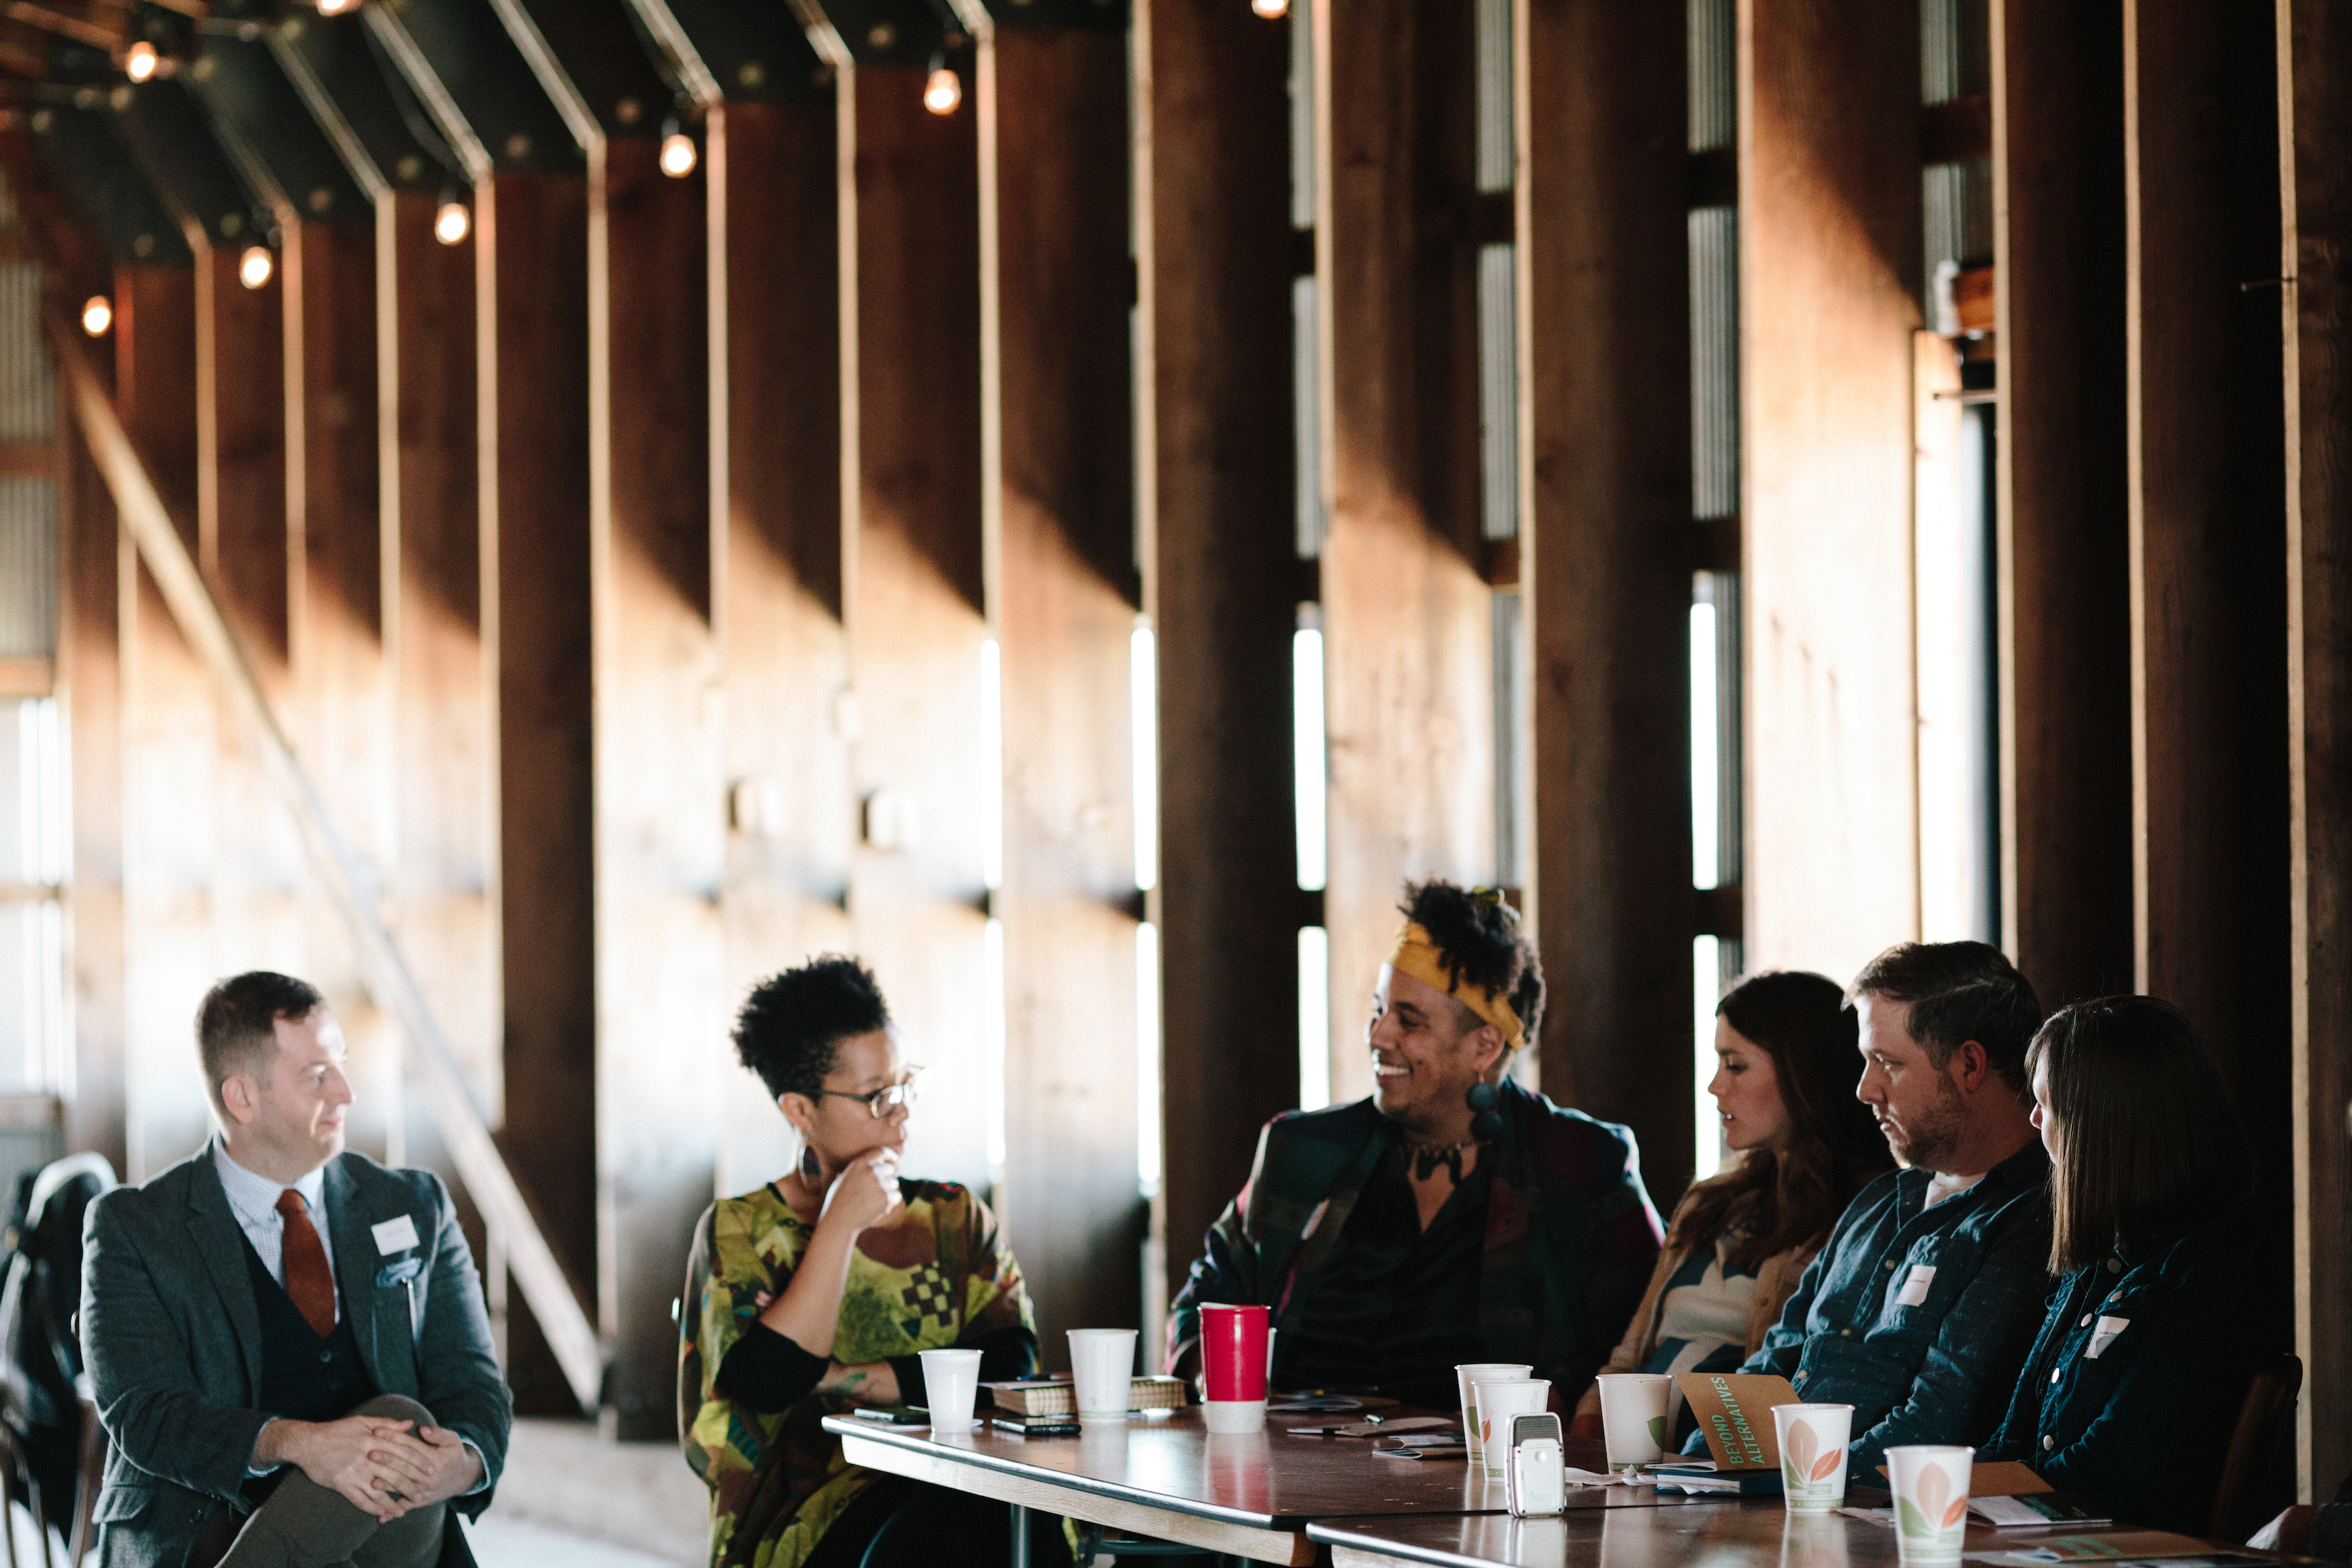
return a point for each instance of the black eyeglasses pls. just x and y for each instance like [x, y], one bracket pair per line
[882, 1101]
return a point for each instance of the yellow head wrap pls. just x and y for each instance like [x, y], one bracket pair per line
[1415, 955]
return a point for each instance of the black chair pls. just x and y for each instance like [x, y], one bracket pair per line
[2258, 1471]
[48, 1419]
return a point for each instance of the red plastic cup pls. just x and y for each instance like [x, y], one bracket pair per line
[1233, 1357]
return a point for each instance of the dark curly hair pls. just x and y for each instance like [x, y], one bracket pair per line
[792, 1024]
[1479, 935]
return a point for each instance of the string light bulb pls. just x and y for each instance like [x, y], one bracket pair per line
[942, 89]
[96, 315]
[677, 151]
[254, 268]
[337, 7]
[451, 221]
[140, 63]
[1272, 10]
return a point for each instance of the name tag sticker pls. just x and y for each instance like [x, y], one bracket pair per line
[2102, 1334]
[1914, 1286]
[395, 1235]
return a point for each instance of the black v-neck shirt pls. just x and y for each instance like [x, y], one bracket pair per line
[1394, 1308]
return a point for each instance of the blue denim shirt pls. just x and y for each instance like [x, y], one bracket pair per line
[1916, 1316]
[2135, 1384]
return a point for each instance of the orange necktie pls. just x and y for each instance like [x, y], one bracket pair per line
[309, 1283]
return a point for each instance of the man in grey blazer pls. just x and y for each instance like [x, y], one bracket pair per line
[287, 1341]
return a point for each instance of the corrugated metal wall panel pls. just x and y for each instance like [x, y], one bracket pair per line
[27, 402]
[29, 568]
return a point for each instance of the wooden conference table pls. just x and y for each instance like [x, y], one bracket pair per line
[1276, 1497]
[1746, 1533]
[1163, 1475]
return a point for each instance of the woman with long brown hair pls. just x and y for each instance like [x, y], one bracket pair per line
[1803, 1146]
[2170, 1292]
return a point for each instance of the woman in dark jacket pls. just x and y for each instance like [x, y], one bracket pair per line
[2135, 1384]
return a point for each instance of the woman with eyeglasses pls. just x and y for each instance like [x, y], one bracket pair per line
[816, 1293]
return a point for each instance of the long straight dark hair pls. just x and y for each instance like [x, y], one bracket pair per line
[1790, 1199]
[2148, 1142]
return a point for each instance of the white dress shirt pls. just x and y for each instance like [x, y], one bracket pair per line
[253, 1199]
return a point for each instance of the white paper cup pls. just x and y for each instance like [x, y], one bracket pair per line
[1465, 1378]
[1102, 1363]
[951, 1384]
[1233, 1416]
[1500, 1399]
[1813, 1456]
[1634, 1423]
[1931, 1502]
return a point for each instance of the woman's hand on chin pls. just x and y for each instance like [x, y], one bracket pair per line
[865, 1194]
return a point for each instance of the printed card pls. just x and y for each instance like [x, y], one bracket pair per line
[1916, 1285]
[394, 1234]
[1734, 1411]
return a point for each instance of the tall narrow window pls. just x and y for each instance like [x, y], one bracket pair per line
[1715, 666]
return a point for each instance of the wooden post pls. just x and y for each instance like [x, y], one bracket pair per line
[2314, 139]
[169, 740]
[2208, 543]
[242, 547]
[1605, 560]
[1054, 257]
[91, 567]
[1218, 496]
[2063, 513]
[912, 419]
[659, 796]
[444, 849]
[531, 238]
[1406, 611]
[1830, 285]
[776, 498]
[339, 700]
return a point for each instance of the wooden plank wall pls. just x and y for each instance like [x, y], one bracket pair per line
[1052, 113]
[170, 743]
[444, 849]
[776, 481]
[339, 703]
[531, 241]
[2064, 577]
[1406, 610]
[92, 564]
[1218, 499]
[2207, 549]
[912, 416]
[1606, 555]
[1829, 288]
[2315, 56]
[658, 758]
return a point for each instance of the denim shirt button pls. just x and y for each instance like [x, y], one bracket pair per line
[2053, 1374]
[1890, 1265]
[2114, 1265]
[2048, 1444]
[2085, 1322]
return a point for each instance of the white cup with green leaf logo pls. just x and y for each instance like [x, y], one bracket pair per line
[1931, 1502]
[1635, 1418]
[1465, 1378]
[1814, 1456]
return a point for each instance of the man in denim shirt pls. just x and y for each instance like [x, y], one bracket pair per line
[1921, 1307]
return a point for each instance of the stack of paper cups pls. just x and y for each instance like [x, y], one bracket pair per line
[1233, 1364]
[1465, 1378]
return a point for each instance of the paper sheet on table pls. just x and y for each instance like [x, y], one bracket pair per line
[2111, 1546]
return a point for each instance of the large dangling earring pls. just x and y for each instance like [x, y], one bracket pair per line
[1485, 1125]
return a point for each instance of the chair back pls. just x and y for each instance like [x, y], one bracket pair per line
[2258, 1471]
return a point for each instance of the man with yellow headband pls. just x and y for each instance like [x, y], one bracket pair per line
[1452, 1216]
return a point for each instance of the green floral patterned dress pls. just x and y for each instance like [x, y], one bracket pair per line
[939, 1277]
